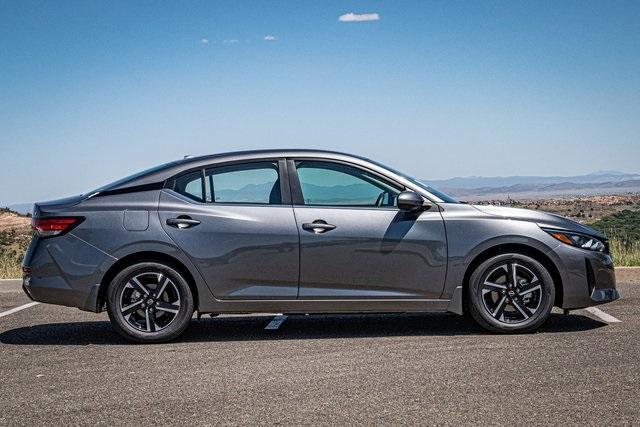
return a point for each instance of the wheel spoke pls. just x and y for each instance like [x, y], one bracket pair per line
[531, 287]
[522, 309]
[493, 286]
[131, 308]
[500, 308]
[169, 308]
[151, 324]
[512, 275]
[162, 284]
[138, 286]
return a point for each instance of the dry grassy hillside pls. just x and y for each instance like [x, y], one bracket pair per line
[13, 221]
[15, 233]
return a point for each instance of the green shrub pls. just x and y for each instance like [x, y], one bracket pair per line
[623, 225]
[623, 228]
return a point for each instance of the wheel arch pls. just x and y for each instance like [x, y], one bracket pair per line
[146, 256]
[518, 248]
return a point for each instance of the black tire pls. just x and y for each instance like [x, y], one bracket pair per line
[150, 318]
[500, 307]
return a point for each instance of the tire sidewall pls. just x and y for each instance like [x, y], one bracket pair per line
[177, 326]
[476, 304]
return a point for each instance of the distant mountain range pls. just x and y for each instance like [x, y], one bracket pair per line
[477, 187]
[506, 181]
[468, 188]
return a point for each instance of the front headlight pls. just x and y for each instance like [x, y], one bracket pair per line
[582, 241]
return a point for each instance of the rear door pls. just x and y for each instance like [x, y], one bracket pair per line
[236, 223]
[355, 242]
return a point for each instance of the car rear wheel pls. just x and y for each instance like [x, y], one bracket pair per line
[149, 302]
[511, 293]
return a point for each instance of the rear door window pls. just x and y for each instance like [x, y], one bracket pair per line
[255, 182]
[244, 183]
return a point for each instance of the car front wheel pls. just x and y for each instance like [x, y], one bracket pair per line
[511, 293]
[149, 302]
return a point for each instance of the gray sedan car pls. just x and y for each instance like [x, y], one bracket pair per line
[304, 231]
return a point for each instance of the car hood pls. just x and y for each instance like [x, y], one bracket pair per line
[543, 219]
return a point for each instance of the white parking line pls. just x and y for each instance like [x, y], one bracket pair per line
[15, 310]
[605, 317]
[276, 322]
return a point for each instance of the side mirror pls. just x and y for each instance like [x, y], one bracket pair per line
[409, 201]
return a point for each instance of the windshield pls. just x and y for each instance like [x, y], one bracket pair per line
[439, 194]
[132, 177]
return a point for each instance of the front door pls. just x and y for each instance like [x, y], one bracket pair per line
[234, 224]
[355, 242]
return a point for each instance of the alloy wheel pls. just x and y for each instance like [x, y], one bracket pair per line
[149, 302]
[511, 293]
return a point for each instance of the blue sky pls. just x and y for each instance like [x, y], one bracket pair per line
[91, 91]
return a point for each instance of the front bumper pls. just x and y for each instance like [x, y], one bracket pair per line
[588, 277]
[601, 296]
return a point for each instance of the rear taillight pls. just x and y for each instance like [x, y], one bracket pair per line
[55, 226]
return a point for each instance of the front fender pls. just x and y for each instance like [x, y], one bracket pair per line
[470, 237]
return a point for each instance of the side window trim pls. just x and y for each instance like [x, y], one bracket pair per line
[285, 186]
[211, 189]
[294, 182]
[281, 163]
[203, 187]
[297, 197]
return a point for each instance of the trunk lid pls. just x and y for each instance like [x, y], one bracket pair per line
[54, 207]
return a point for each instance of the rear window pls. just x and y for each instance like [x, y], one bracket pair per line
[190, 185]
[134, 177]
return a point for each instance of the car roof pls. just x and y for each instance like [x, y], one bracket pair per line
[157, 176]
[269, 153]
[163, 172]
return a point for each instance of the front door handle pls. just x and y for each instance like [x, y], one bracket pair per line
[318, 226]
[182, 222]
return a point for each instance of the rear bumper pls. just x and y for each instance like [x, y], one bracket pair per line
[57, 292]
[65, 271]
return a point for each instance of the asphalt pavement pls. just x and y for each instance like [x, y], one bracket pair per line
[62, 366]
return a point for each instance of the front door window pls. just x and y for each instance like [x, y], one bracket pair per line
[337, 184]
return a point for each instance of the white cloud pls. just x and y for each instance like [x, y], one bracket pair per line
[227, 41]
[270, 38]
[362, 17]
[204, 41]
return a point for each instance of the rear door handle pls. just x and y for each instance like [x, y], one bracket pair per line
[318, 226]
[182, 222]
